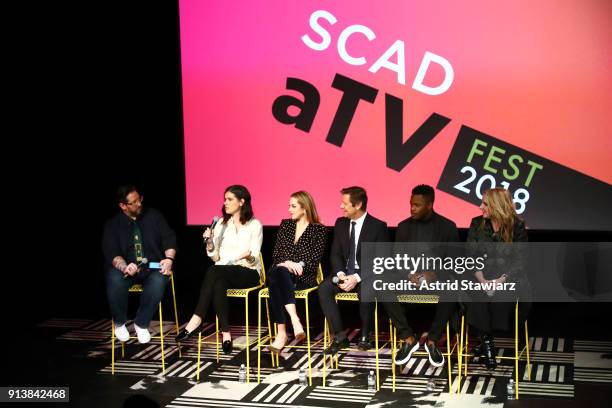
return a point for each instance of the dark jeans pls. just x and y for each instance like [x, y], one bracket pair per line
[397, 314]
[153, 285]
[282, 287]
[327, 292]
[218, 279]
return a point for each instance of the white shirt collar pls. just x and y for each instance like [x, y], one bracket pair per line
[359, 221]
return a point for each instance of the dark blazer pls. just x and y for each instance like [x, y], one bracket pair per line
[308, 249]
[506, 259]
[373, 230]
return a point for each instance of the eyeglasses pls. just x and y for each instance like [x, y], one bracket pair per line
[138, 201]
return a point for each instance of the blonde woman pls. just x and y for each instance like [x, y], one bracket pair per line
[298, 250]
[498, 223]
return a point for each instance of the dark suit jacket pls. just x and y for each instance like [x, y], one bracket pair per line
[373, 230]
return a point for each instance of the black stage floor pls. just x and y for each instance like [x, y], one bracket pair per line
[76, 352]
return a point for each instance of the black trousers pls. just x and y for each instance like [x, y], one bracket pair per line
[218, 279]
[327, 292]
[282, 287]
[488, 317]
[396, 312]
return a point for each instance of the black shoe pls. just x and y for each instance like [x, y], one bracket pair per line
[365, 343]
[335, 346]
[227, 346]
[405, 352]
[184, 334]
[436, 358]
[477, 350]
[489, 353]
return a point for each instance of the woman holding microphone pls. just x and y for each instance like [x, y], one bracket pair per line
[234, 246]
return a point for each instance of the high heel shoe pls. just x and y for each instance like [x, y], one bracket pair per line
[277, 350]
[227, 346]
[488, 353]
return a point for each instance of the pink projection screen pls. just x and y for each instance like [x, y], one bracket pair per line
[282, 96]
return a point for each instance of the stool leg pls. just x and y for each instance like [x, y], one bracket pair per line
[175, 313]
[527, 345]
[338, 353]
[258, 338]
[324, 347]
[376, 344]
[460, 355]
[448, 356]
[199, 351]
[516, 352]
[276, 355]
[217, 336]
[467, 349]
[308, 342]
[248, 348]
[113, 347]
[161, 339]
[269, 330]
[392, 344]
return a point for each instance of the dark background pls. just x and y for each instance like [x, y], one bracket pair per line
[102, 93]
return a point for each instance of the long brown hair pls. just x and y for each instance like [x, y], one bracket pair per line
[502, 211]
[306, 201]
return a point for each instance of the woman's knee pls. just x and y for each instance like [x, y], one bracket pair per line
[212, 273]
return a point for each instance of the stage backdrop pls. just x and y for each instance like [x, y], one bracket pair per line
[318, 95]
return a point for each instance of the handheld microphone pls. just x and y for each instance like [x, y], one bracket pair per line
[142, 262]
[337, 281]
[212, 226]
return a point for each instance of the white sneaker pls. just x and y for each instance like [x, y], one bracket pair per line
[143, 335]
[121, 332]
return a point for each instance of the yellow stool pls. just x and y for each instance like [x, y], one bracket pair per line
[421, 299]
[351, 297]
[137, 288]
[463, 351]
[299, 294]
[235, 293]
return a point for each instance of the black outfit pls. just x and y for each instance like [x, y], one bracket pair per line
[308, 249]
[434, 229]
[222, 276]
[372, 230]
[490, 316]
[157, 236]
[218, 279]
[118, 240]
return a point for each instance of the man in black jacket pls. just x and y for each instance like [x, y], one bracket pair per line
[134, 239]
[424, 226]
[350, 231]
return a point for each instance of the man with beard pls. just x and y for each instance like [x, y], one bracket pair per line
[132, 239]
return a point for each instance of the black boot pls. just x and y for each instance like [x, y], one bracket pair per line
[488, 352]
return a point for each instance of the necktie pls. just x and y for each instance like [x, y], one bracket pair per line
[138, 250]
[350, 266]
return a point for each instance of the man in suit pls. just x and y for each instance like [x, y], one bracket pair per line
[350, 231]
